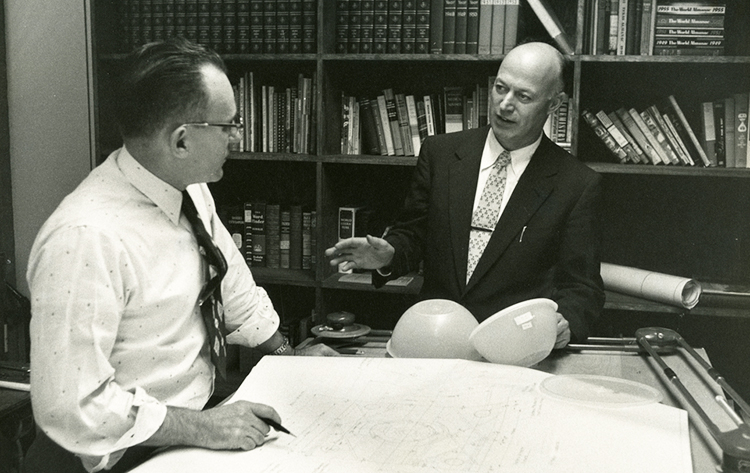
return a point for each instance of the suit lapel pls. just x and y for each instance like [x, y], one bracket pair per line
[464, 173]
[532, 190]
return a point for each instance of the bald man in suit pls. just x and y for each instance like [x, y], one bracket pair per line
[543, 240]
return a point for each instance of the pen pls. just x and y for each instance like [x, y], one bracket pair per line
[276, 426]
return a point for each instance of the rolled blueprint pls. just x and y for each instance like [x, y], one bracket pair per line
[674, 290]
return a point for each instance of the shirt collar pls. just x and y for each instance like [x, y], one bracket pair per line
[166, 197]
[519, 158]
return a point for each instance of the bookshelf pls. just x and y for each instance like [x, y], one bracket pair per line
[689, 221]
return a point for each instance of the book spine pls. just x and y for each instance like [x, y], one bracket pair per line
[422, 120]
[395, 23]
[377, 119]
[269, 27]
[370, 141]
[709, 131]
[729, 132]
[454, 105]
[229, 26]
[409, 27]
[497, 39]
[295, 26]
[741, 133]
[273, 235]
[380, 28]
[668, 154]
[512, 13]
[284, 229]
[306, 240]
[472, 27]
[313, 238]
[411, 109]
[617, 135]
[403, 124]
[629, 122]
[605, 136]
[256, 26]
[387, 133]
[720, 130]
[393, 122]
[484, 33]
[282, 26]
[646, 28]
[147, 32]
[674, 143]
[236, 227]
[355, 27]
[622, 25]
[422, 34]
[309, 28]
[688, 130]
[342, 26]
[449, 26]
[659, 155]
[204, 23]
[437, 8]
[614, 8]
[367, 25]
[243, 26]
[216, 27]
[295, 237]
[641, 155]
[459, 40]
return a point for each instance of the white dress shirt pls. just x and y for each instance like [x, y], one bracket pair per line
[519, 160]
[116, 332]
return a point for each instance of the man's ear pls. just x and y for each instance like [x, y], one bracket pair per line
[178, 141]
[556, 102]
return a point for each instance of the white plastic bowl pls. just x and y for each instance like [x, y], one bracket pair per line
[434, 328]
[521, 335]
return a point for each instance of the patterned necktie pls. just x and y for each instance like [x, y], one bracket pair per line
[486, 214]
[210, 296]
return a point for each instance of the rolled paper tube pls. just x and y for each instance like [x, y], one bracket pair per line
[659, 287]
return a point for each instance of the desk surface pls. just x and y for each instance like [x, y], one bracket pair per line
[636, 367]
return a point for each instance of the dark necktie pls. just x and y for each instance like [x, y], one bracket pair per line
[210, 296]
[486, 215]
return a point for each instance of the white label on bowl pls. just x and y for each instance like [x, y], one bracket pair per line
[523, 318]
[527, 325]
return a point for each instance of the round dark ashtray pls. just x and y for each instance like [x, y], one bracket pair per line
[340, 325]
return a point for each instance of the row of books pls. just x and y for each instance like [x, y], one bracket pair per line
[725, 136]
[272, 235]
[659, 134]
[277, 119]
[227, 26]
[395, 124]
[426, 26]
[654, 27]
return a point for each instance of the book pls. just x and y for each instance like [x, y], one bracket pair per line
[449, 26]
[729, 133]
[377, 118]
[642, 158]
[412, 113]
[659, 155]
[708, 126]
[423, 36]
[436, 26]
[422, 121]
[613, 9]
[648, 25]
[355, 27]
[273, 235]
[369, 132]
[295, 26]
[454, 108]
[386, 126]
[622, 25]
[551, 23]
[313, 238]
[306, 239]
[248, 220]
[295, 236]
[636, 132]
[309, 29]
[341, 27]
[720, 133]
[670, 135]
[605, 136]
[380, 27]
[510, 33]
[497, 38]
[409, 27]
[672, 109]
[741, 134]
[472, 27]
[393, 121]
[395, 26]
[430, 116]
[367, 26]
[258, 228]
[687, 156]
[285, 220]
[668, 154]
[618, 136]
[347, 224]
[484, 32]
[403, 123]
[459, 38]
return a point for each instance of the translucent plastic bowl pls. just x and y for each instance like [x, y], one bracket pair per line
[434, 328]
[521, 335]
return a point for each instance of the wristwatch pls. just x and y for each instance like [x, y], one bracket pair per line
[281, 348]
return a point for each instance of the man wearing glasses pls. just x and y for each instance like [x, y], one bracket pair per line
[136, 286]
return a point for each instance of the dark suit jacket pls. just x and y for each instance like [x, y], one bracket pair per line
[546, 243]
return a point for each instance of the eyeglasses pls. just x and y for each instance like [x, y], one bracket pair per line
[234, 129]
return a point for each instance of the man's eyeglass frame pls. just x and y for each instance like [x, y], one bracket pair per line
[236, 128]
